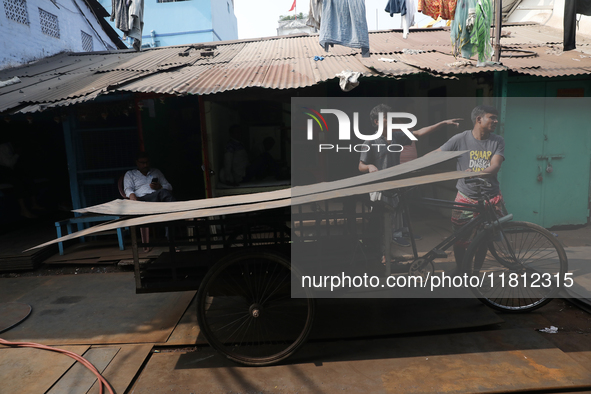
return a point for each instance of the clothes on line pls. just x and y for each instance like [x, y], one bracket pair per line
[571, 9]
[315, 14]
[136, 23]
[406, 8]
[344, 23]
[396, 7]
[128, 16]
[445, 9]
[470, 29]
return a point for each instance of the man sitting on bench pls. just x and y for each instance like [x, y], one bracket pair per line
[145, 183]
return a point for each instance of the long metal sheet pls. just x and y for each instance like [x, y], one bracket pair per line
[123, 368]
[233, 209]
[133, 208]
[494, 361]
[79, 379]
[28, 370]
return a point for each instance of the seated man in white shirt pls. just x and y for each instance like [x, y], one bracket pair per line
[145, 183]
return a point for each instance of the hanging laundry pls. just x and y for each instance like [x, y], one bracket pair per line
[396, 7]
[348, 79]
[315, 14]
[411, 10]
[470, 30]
[136, 23]
[571, 9]
[129, 18]
[120, 15]
[344, 23]
[407, 10]
[445, 9]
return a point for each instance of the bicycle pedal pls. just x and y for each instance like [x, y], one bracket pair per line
[441, 254]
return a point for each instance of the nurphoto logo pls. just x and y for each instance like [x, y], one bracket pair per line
[344, 131]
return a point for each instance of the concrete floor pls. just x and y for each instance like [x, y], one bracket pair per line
[404, 350]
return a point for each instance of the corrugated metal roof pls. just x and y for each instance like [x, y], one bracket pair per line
[440, 63]
[392, 41]
[285, 74]
[154, 59]
[39, 67]
[285, 62]
[82, 85]
[554, 72]
[395, 69]
[550, 63]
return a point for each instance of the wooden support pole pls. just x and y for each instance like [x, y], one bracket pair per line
[498, 25]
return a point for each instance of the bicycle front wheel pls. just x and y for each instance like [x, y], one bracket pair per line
[521, 267]
[246, 311]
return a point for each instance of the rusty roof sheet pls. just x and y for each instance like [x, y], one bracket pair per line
[42, 66]
[392, 42]
[394, 68]
[554, 72]
[152, 60]
[285, 62]
[285, 74]
[441, 63]
[68, 87]
[531, 34]
[550, 63]
[82, 85]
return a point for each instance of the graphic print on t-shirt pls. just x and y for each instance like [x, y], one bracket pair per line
[479, 160]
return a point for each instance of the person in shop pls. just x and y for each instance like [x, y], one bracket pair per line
[146, 183]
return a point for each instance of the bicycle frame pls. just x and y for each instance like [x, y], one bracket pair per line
[485, 215]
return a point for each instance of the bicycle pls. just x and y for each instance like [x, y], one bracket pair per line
[521, 266]
[247, 309]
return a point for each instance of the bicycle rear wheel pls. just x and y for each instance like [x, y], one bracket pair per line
[246, 312]
[522, 266]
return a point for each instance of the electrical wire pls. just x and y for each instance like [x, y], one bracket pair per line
[80, 359]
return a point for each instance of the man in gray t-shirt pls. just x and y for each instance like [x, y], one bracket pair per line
[481, 154]
[486, 153]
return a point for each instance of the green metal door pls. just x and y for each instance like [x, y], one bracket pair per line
[545, 177]
[524, 124]
[567, 154]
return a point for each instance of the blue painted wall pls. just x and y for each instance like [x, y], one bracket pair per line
[186, 22]
[224, 20]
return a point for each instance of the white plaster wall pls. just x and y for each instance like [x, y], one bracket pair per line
[552, 17]
[556, 20]
[25, 43]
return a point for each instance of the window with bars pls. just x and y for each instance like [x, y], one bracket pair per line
[16, 10]
[87, 43]
[49, 24]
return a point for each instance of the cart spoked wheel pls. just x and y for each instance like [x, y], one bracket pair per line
[246, 311]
